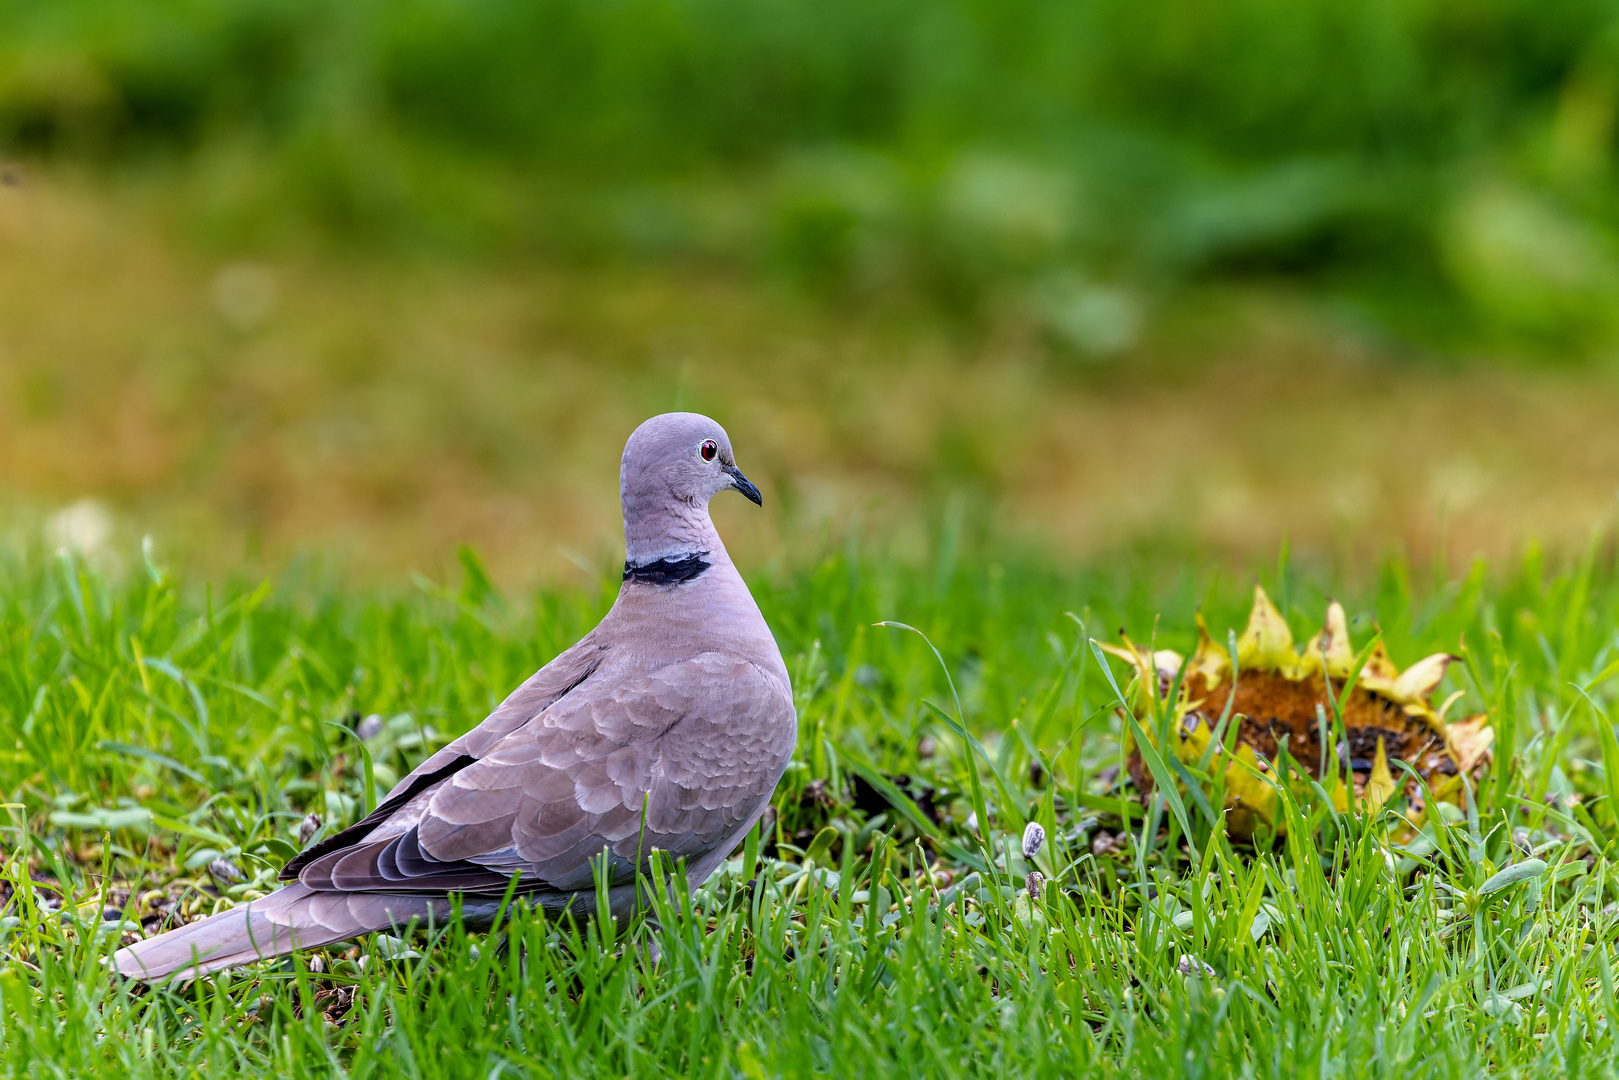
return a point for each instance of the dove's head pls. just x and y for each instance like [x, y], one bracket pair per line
[673, 464]
[681, 456]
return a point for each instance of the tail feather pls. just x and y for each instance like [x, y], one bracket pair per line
[291, 918]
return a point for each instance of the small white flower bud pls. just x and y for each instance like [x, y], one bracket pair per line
[225, 873]
[1191, 965]
[307, 829]
[1035, 883]
[1034, 837]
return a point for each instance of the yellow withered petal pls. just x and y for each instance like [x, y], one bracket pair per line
[1142, 660]
[1417, 681]
[1130, 654]
[1209, 659]
[1379, 673]
[1330, 649]
[1469, 740]
[1163, 665]
[1267, 643]
[1249, 792]
[1167, 663]
[1380, 783]
[1448, 789]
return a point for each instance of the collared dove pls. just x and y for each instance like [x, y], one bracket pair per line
[667, 726]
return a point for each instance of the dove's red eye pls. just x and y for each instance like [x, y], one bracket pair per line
[709, 450]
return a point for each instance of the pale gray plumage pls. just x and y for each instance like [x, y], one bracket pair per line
[676, 706]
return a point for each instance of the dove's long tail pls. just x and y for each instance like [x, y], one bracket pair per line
[293, 917]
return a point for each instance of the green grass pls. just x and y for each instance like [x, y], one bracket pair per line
[151, 727]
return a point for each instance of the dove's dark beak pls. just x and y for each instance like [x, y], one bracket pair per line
[744, 485]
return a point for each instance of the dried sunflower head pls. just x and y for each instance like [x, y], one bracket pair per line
[1278, 701]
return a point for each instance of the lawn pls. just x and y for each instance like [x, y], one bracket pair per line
[1037, 322]
[167, 739]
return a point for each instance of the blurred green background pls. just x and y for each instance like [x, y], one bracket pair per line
[375, 279]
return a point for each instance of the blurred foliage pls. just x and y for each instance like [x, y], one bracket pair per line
[1443, 168]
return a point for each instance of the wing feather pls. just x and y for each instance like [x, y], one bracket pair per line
[676, 759]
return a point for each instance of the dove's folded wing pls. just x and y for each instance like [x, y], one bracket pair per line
[403, 805]
[672, 760]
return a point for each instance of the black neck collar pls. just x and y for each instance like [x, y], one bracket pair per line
[667, 571]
